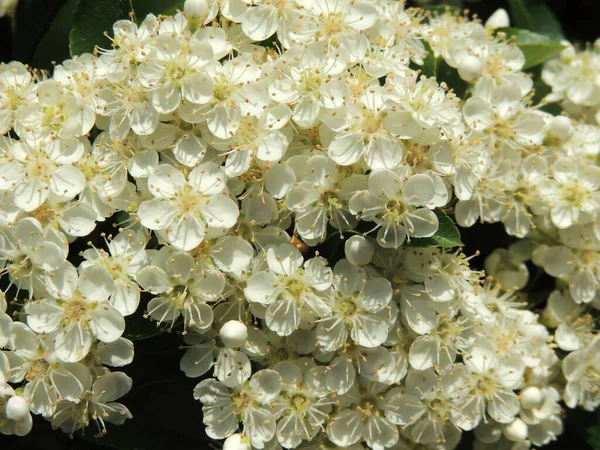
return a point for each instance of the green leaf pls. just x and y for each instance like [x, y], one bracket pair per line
[447, 235]
[535, 15]
[594, 437]
[167, 7]
[438, 68]
[93, 18]
[537, 48]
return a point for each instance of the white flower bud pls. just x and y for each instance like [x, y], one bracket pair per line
[234, 334]
[359, 250]
[470, 68]
[236, 442]
[531, 397]
[17, 408]
[561, 128]
[499, 19]
[516, 431]
[198, 8]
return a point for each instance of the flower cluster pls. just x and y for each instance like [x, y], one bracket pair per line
[235, 145]
[573, 77]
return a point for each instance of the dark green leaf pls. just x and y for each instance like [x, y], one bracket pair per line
[535, 15]
[167, 7]
[430, 62]
[437, 67]
[594, 437]
[537, 48]
[92, 18]
[447, 235]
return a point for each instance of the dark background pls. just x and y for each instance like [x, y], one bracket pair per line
[165, 413]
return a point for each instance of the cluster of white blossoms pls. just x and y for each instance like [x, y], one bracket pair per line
[235, 145]
[574, 80]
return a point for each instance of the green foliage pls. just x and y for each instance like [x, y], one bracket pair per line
[447, 235]
[537, 48]
[437, 67]
[93, 18]
[536, 16]
[593, 436]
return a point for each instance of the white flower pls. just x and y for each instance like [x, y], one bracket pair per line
[425, 405]
[363, 418]
[173, 71]
[77, 311]
[393, 202]
[56, 113]
[15, 88]
[33, 173]
[34, 360]
[182, 289]
[321, 198]
[126, 258]
[250, 403]
[490, 388]
[359, 130]
[359, 309]
[581, 368]
[573, 194]
[573, 327]
[292, 290]
[310, 82]
[183, 210]
[97, 404]
[303, 404]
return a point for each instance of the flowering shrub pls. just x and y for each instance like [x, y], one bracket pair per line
[279, 182]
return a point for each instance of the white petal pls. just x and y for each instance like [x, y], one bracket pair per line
[107, 323]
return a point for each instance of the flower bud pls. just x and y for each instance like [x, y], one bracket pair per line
[531, 397]
[499, 19]
[198, 8]
[17, 408]
[470, 68]
[236, 442]
[233, 334]
[537, 256]
[561, 128]
[359, 250]
[515, 431]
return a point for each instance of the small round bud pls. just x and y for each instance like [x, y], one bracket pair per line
[470, 68]
[515, 431]
[17, 408]
[359, 250]
[531, 397]
[198, 8]
[561, 128]
[499, 19]
[234, 334]
[236, 442]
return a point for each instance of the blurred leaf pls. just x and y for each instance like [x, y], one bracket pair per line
[32, 21]
[438, 68]
[537, 48]
[535, 15]
[167, 7]
[92, 18]
[447, 235]
[594, 437]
